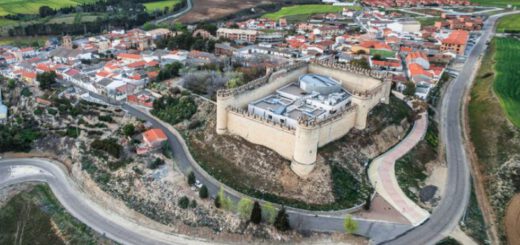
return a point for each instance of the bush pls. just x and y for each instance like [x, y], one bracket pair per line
[203, 192]
[129, 130]
[191, 178]
[256, 213]
[38, 111]
[109, 146]
[156, 163]
[270, 212]
[184, 202]
[193, 204]
[244, 208]
[350, 225]
[106, 118]
[52, 111]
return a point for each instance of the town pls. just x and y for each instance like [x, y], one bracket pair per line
[324, 122]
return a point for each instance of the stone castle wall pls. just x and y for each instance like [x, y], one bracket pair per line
[300, 144]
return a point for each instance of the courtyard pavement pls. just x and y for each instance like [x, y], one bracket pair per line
[382, 174]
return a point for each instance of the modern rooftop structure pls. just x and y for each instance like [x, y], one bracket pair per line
[312, 97]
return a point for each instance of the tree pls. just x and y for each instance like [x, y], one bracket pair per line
[244, 207]
[350, 225]
[256, 213]
[281, 222]
[193, 204]
[129, 129]
[217, 202]
[45, 11]
[203, 192]
[191, 178]
[270, 212]
[410, 89]
[11, 83]
[46, 79]
[225, 202]
[184, 202]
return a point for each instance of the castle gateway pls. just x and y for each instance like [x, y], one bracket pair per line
[301, 107]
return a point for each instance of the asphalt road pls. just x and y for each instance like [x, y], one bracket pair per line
[176, 15]
[99, 218]
[453, 205]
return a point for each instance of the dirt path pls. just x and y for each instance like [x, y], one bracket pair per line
[478, 178]
[512, 221]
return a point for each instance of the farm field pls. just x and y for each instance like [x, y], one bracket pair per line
[507, 82]
[303, 10]
[499, 3]
[32, 6]
[509, 23]
[160, 5]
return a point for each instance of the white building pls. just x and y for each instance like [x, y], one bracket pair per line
[312, 96]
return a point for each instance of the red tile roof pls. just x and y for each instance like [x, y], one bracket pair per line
[154, 135]
[457, 37]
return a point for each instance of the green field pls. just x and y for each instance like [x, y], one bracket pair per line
[509, 23]
[160, 5]
[507, 82]
[499, 3]
[32, 6]
[303, 10]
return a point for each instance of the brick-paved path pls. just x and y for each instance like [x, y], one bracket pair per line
[382, 174]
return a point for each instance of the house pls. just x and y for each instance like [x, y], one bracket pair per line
[154, 138]
[410, 26]
[237, 34]
[29, 77]
[455, 42]
[418, 57]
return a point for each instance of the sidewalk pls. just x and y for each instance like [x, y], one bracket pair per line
[382, 174]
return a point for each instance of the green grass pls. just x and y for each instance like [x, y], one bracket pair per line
[160, 5]
[499, 3]
[382, 53]
[507, 81]
[32, 6]
[303, 10]
[509, 23]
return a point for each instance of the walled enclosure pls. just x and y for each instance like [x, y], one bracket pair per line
[300, 144]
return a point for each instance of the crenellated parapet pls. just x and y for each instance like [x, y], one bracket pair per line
[259, 82]
[263, 120]
[352, 69]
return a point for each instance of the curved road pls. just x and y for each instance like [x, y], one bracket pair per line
[453, 205]
[441, 223]
[176, 15]
[100, 219]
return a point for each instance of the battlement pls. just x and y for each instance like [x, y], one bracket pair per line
[259, 82]
[352, 69]
[252, 116]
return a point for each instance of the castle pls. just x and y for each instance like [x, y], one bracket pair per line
[298, 108]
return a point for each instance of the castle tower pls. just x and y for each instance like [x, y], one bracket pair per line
[224, 100]
[67, 41]
[305, 149]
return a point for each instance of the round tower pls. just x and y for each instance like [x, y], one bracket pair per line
[305, 149]
[224, 100]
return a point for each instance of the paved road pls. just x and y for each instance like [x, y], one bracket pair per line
[453, 205]
[100, 219]
[176, 15]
